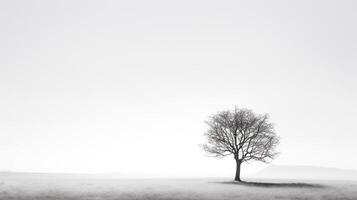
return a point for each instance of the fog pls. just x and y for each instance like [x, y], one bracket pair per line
[125, 86]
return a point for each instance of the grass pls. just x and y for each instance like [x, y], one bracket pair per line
[57, 188]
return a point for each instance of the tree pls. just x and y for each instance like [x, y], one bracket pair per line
[243, 134]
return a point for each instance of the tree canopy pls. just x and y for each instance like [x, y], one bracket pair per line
[243, 134]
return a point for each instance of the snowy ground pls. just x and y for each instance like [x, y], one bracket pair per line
[80, 188]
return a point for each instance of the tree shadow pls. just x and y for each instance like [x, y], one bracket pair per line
[269, 184]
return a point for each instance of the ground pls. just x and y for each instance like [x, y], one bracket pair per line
[80, 188]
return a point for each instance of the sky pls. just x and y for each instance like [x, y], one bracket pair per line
[125, 86]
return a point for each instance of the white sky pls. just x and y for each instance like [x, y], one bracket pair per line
[124, 86]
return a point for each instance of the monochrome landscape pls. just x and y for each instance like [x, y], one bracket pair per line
[171, 100]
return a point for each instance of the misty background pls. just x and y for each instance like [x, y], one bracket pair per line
[114, 86]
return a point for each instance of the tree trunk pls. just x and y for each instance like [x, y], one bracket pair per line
[237, 178]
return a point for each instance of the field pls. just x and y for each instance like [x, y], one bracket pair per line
[31, 187]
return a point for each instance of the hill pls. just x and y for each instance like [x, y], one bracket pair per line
[306, 172]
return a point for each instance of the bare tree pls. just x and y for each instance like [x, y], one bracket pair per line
[243, 134]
